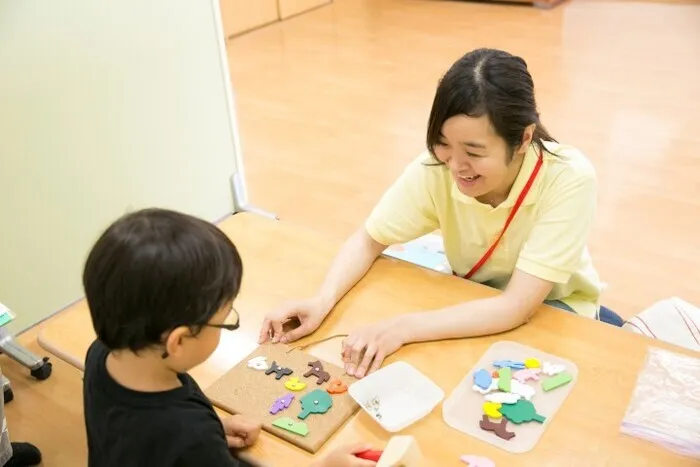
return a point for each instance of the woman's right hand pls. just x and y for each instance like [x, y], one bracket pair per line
[309, 312]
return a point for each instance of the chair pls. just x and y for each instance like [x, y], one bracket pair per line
[608, 316]
[39, 367]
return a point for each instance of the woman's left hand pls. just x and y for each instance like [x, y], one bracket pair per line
[365, 348]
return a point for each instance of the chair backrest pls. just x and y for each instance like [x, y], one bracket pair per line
[672, 320]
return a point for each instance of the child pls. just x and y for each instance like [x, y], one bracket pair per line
[160, 286]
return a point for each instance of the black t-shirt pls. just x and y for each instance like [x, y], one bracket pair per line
[176, 428]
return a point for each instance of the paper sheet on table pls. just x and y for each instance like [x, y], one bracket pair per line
[665, 405]
[426, 251]
[5, 315]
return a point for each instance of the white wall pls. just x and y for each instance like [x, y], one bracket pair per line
[104, 107]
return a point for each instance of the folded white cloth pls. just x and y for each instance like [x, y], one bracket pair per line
[671, 320]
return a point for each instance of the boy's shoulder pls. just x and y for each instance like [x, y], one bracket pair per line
[176, 424]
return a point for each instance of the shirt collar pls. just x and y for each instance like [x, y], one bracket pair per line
[526, 170]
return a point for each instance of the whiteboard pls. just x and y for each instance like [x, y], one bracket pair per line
[105, 107]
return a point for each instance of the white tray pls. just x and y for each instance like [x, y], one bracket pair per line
[404, 395]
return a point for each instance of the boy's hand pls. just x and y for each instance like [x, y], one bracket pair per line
[344, 456]
[240, 431]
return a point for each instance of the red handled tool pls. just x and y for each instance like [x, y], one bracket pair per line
[370, 455]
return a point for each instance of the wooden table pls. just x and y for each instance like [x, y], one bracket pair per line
[282, 261]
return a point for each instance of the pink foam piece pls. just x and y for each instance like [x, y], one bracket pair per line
[477, 461]
[524, 375]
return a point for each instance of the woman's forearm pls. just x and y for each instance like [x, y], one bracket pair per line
[349, 266]
[503, 312]
[471, 319]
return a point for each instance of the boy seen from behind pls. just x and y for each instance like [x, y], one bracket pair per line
[160, 286]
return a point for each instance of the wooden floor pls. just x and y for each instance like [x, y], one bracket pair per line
[333, 103]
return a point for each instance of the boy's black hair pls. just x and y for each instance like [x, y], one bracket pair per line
[154, 270]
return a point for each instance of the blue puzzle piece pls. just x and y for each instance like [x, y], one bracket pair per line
[482, 379]
[509, 364]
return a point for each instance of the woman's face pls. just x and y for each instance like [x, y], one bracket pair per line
[477, 157]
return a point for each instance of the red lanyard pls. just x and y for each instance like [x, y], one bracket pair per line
[513, 211]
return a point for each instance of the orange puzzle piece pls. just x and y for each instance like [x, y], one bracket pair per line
[337, 387]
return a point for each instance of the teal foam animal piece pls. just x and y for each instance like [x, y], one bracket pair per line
[317, 401]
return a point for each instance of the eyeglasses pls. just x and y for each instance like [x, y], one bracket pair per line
[228, 327]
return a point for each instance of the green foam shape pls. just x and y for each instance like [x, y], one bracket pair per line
[317, 401]
[505, 374]
[520, 412]
[287, 423]
[556, 381]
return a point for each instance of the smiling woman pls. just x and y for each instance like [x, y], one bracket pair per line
[514, 206]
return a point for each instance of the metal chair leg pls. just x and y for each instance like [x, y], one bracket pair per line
[40, 368]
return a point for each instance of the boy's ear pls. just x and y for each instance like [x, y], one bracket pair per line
[175, 340]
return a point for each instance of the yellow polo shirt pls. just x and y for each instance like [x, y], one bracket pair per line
[547, 238]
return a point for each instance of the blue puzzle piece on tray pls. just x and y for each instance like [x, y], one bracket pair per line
[509, 364]
[483, 379]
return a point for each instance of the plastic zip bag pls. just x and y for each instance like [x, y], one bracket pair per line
[665, 405]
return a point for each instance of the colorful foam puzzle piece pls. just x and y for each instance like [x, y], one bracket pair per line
[293, 384]
[287, 423]
[477, 461]
[337, 387]
[556, 381]
[258, 363]
[498, 428]
[551, 369]
[532, 363]
[278, 370]
[493, 387]
[491, 409]
[317, 371]
[502, 398]
[504, 376]
[521, 412]
[509, 364]
[524, 376]
[316, 401]
[483, 379]
[522, 389]
[281, 403]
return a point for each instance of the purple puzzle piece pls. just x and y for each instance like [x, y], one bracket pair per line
[282, 403]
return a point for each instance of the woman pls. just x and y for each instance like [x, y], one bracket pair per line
[491, 168]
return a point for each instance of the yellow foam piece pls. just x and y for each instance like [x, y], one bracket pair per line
[532, 363]
[491, 409]
[293, 384]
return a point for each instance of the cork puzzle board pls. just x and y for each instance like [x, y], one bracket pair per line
[530, 371]
[256, 391]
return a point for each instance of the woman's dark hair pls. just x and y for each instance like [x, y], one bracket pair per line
[154, 270]
[492, 83]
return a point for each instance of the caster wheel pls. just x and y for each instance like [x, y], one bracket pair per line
[8, 395]
[44, 371]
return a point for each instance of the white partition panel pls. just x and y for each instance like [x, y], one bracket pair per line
[105, 107]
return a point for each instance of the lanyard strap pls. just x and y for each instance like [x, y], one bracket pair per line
[513, 211]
